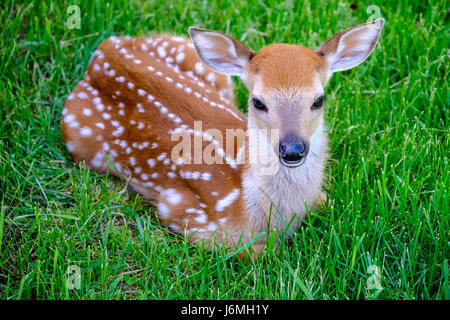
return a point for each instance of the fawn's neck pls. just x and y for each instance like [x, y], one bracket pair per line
[280, 195]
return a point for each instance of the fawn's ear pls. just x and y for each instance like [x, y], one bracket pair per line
[220, 52]
[350, 47]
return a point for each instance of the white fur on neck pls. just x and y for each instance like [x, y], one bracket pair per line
[288, 189]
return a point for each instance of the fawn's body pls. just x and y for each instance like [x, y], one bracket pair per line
[137, 93]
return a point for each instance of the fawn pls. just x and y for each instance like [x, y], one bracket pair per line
[139, 96]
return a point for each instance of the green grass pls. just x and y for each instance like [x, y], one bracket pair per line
[388, 176]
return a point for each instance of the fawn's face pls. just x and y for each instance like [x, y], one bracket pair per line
[286, 94]
[286, 82]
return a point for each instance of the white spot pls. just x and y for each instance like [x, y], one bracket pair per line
[228, 200]
[82, 95]
[148, 184]
[97, 100]
[195, 175]
[69, 118]
[206, 176]
[100, 125]
[70, 147]
[151, 162]
[180, 57]
[118, 131]
[172, 196]
[164, 210]
[87, 112]
[171, 174]
[211, 77]
[105, 146]
[177, 39]
[161, 52]
[202, 218]
[123, 144]
[199, 68]
[130, 85]
[162, 156]
[97, 160]
[86, 131]
[120, 79]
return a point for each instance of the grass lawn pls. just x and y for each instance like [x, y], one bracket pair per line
[388, 174]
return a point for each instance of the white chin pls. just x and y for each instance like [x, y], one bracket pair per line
[292, 165]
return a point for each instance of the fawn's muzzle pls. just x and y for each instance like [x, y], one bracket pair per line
[293, 150]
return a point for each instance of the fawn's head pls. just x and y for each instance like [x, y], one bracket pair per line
[286, 82]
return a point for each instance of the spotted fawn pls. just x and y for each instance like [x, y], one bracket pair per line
[140, 96]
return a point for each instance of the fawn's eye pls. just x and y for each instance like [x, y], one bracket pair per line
[259, 105]
[318, 103]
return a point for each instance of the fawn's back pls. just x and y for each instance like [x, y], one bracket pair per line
[134, 96]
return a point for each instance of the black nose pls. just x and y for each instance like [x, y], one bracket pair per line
[293, 149]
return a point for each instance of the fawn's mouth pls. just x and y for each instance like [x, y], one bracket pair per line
[292, 163]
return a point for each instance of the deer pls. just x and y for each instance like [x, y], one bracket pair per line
[140, 96]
